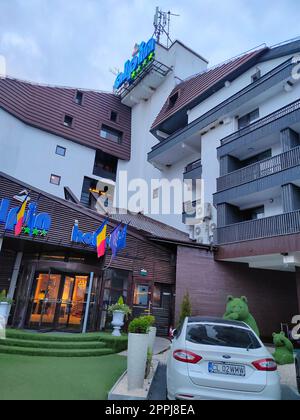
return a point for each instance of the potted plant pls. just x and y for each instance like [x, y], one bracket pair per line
[119, 312]
[138, 341]
[5, 305]
[152, 331]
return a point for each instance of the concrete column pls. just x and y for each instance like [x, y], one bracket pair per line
[15, 275]
[228, 214]
[290, 198]
[289, 139]
[229, 164]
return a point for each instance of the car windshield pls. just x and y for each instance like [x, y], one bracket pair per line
[221, 335]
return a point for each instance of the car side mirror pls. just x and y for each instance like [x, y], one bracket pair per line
[174, 333]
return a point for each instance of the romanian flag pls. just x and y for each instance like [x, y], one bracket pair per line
[101, 239]
[21, 217]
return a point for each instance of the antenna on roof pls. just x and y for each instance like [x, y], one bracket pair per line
[162, 24]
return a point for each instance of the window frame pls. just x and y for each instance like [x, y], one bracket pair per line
[104, 127]
[64, 121]
[61, 148]
[55, 176]
[82, 97]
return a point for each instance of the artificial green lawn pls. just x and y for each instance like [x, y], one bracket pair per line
[43, 378]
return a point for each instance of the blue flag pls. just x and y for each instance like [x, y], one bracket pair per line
[114, 241]
[122, 238]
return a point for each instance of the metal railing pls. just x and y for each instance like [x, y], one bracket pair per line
[262, 122]
[260, 169]
[283, 224]
[195, 165]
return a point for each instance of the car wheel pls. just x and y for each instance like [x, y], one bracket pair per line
[298, 376]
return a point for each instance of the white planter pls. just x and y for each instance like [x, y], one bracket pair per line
[5, 310]
[152, 337]
[117, 323]
[137, 359]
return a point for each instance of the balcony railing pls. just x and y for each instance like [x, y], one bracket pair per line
[195, 165]
[283, 224]
[260, 169]
[262, 122]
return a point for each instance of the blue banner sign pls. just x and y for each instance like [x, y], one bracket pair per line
[78, 237]
[36, 224]
[144, 54]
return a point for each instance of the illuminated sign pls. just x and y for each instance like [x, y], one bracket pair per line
[144, 54]
[36, 224]
[89, 239]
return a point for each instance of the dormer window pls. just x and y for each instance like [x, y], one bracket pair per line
[256, 76]
[68, 121]
[114, 116]
[79, 97]
[173, 99]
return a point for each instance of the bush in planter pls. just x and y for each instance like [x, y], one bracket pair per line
[139, 326]
[150, 319]
[137, 352]
[186, 308]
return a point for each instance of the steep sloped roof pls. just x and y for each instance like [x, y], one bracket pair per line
[45, 107]
[196, 86]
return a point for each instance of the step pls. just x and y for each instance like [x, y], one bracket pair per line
[23, 351]
[75, 345]
[24, 335]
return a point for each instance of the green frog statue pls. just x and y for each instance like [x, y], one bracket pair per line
[237, 310]
[284, 349]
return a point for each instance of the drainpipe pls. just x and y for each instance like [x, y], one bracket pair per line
[87, 308]
[15, 275]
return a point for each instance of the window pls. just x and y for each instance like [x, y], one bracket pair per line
[248, 119]
[68, 121]
[79, 98]
[173, 99]
[114, 116]
[105, 166]
[218, 335]
[141, 295]
[157, 301]
[61, 151]
[258, 213]
[111, 134]
[256, 76]
[55, 179]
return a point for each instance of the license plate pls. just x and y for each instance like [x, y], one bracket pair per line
[226, 369]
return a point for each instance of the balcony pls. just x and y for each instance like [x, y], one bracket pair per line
[283, 224]
[103, 173]
[259, 170]
[193, 170]
[295, 106]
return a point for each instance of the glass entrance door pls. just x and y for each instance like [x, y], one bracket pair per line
[58, 302]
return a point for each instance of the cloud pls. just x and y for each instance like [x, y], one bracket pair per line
[76, 42]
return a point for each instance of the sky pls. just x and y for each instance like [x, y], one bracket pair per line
[78, 43]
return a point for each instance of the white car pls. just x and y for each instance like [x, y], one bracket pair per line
[214, 359]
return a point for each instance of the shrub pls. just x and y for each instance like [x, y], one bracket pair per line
[4, 298]
[186, 308]
[150, 319]
[139, 326]
[120, 306]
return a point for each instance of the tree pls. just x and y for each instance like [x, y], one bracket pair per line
[186, 308]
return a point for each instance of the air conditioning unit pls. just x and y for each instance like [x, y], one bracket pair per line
[200, 233]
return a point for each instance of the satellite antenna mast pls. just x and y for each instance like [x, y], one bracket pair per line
[162, 24]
